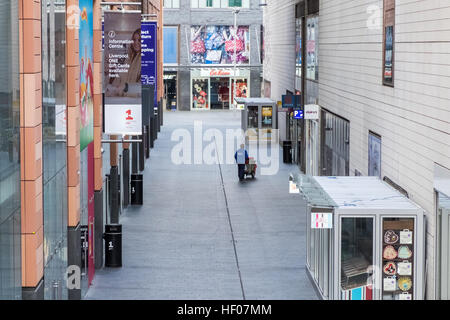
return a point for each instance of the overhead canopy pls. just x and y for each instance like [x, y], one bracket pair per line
[255, 101]
[352, 193]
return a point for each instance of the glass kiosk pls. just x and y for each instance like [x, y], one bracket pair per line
[259, 117]
[365, 240]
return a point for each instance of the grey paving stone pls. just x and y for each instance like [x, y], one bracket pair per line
[178, 245]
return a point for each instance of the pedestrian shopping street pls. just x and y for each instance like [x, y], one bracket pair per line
[179, 244]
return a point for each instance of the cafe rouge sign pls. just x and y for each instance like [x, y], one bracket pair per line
[227, 72]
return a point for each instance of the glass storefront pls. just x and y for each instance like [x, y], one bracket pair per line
[10, 220]
[54, 148]
[216, 89]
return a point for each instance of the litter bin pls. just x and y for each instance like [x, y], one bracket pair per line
[137, 189]
[287, 155]
[113, 245]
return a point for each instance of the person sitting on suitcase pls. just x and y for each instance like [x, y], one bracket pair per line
[241, 157]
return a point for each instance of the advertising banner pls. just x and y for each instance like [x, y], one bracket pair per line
[122, 73]
[216, 44]
[149, 58]
[86, 35]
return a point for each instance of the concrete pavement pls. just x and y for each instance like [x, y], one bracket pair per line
[203, 235]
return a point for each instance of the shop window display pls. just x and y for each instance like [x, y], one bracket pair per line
[356, 256]
[216, 45]
[200, 94]
[241, 88]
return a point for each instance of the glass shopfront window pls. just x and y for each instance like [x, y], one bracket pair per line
[240, 88]
[54, 147]
[10, 222]
[200, 94]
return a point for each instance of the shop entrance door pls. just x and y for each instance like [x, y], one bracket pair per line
[170, 92]
[220, 93]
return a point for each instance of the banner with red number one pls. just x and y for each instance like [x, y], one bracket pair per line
[122, 73]
[124, 119]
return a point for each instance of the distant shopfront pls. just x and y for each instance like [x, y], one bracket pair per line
[216, 88]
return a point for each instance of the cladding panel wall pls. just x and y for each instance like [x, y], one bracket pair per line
[413, 118]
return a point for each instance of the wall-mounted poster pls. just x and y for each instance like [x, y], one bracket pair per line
[312, 48]
[374, 155]
[122, 58]
[216, 44]
[388, 55]
[86, 34]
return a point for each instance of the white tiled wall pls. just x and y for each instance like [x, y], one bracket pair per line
[413, 118]
[279, 63]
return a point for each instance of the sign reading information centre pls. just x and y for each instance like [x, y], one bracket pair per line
[122, 58]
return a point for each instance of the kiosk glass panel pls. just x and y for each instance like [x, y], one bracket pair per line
[267, 115]
[252, 117]
[356, 255]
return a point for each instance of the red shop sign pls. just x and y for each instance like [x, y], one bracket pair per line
[215, 72]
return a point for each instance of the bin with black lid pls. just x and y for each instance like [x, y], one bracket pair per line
[113, 245]
[137, 197]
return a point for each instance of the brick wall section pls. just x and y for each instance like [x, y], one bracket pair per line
[98, 182]
[31, 141]
[73, 118]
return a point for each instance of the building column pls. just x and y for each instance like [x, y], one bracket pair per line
[32, 225]
[73, 142]
[98, 130]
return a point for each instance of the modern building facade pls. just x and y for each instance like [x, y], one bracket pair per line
[377, 73]
[51, 180]
[205, 64]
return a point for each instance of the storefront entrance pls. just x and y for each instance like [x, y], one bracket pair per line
[220, 93]
[215, 89]
[170, 90]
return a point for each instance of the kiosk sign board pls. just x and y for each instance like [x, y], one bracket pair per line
[321, 220]
[122, 58]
